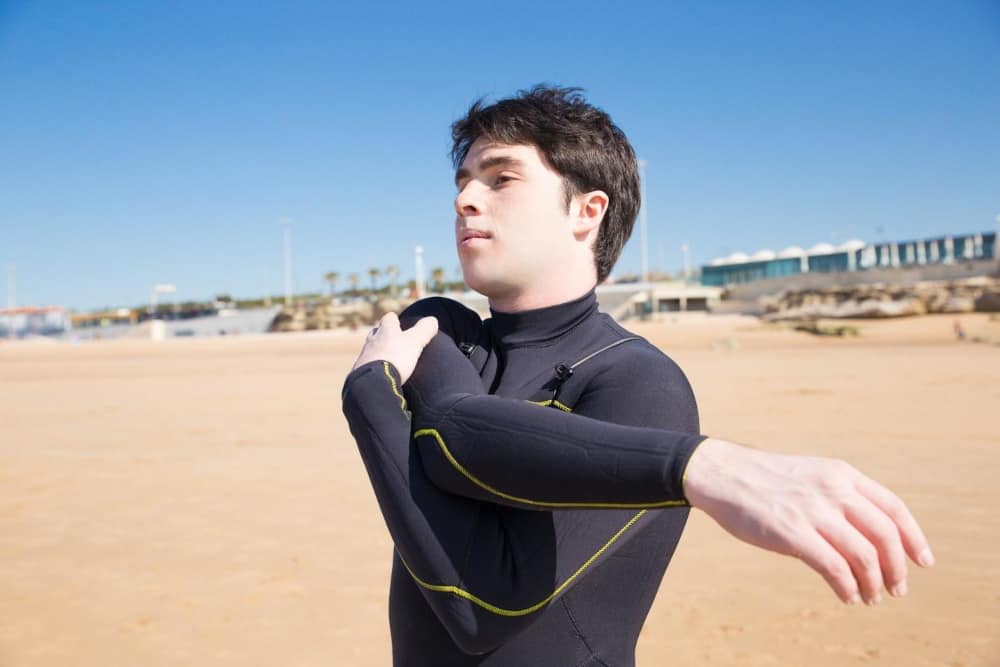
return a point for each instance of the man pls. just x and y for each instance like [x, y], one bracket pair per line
[535, 470]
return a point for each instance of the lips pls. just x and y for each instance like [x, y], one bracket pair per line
[468, 236]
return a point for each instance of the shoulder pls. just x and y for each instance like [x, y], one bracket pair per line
[453, 318]
[636, 381]
[639, 363]
[640, 360]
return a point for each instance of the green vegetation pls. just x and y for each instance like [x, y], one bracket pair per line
[817, 329]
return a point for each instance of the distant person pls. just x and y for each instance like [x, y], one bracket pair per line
[536, 469]
[959, 331]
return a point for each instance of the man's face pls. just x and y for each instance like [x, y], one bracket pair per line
[512, 228]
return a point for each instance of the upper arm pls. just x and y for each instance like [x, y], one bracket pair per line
[643, 387]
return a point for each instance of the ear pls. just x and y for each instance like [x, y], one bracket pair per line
[591, 207]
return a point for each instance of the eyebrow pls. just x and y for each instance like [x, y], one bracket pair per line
[489, 163]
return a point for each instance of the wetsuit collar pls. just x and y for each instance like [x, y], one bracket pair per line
[542, 324]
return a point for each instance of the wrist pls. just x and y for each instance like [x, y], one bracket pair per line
[705, 468]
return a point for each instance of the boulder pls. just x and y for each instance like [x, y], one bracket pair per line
[988, 301]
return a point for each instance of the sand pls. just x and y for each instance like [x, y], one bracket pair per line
[202, 502]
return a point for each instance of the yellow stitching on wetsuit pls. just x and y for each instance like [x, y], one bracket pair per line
[538, 605]
[553, 403]
[537, 503]
[395, 389]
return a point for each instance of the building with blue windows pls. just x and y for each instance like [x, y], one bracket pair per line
[851, 256]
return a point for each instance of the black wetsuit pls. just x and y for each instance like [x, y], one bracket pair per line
[491, 493]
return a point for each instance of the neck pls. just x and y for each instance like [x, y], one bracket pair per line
[541, 296]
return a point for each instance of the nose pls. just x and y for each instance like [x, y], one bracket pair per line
[468, 201]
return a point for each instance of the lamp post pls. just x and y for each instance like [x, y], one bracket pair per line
[643, 224]
[287, 224]
[996, 239]
[12, 301]
[158, 328]
[418, 261]
[158, 289]
[644, 239]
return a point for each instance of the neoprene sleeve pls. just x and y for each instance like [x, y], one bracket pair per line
[515, 452]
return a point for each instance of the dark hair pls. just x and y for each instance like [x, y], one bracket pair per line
[579, 141]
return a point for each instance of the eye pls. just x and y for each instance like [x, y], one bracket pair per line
[504, 178]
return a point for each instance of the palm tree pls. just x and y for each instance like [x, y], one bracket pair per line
[354, 279]
[437, 276]
[332, 277]
[393, 272]
[374, 273]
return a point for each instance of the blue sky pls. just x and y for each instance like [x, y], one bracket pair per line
[145, 142]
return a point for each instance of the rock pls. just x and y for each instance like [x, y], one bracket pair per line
[988, 302]
[317, 316]
[383, 306]
[818, 329]
[959, 304]
[879, 300]
[882, 308]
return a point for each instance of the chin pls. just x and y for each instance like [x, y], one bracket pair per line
[477, 285]
[488, 286]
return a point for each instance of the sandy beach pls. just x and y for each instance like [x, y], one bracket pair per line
[201, 501]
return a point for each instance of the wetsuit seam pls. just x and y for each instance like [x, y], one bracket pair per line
[468, 549]
[621, 332]
[548, 599]
[580, 635]
[370, 427]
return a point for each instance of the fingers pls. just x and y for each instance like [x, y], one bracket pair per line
[914, 540]
[880, 531]
[817, 553]
[423, 331]
[878, 534]
[861, 556]
[388, 323]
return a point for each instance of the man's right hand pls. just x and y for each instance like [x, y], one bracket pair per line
[388, 342]
[852, 530]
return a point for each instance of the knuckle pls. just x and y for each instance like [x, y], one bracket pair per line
[838, 571]
[866, 559]
[896, 508]
[844, 469]
[885, 535]
[835, 567]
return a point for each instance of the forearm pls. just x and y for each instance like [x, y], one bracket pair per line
[513, 452]
[542, 458]
[375, 412]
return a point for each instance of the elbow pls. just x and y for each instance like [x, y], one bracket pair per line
[475, 629]
[439, 464]
[475, 644]
[482, 635]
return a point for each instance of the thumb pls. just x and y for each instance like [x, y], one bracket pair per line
[424, 330]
